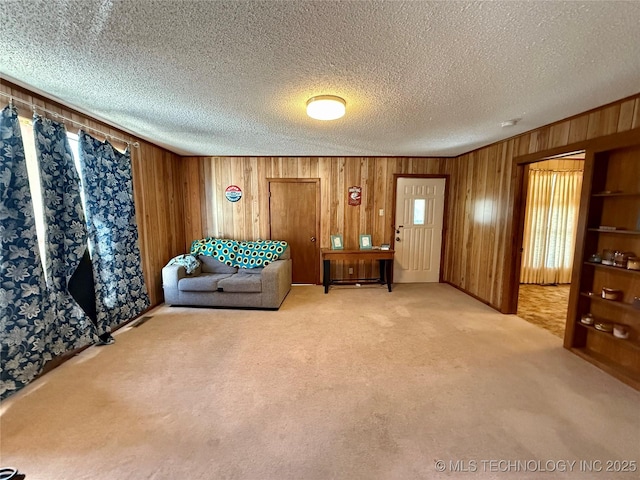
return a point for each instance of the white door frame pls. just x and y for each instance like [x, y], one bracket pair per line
[444, 216]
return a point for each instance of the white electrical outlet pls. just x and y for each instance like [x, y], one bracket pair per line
[350, 271]
[381, 212]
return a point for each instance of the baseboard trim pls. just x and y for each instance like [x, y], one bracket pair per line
[474, 296]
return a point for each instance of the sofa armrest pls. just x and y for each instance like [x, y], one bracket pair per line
[171, 275]
[276, 283]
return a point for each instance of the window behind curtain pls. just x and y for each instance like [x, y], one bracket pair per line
[553, 201]
[33, 170]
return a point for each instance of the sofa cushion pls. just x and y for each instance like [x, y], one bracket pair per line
[250, 271]
[205, 282]
[213, 265]
[241, 284]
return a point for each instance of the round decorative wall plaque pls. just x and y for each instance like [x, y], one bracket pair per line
[233, 193]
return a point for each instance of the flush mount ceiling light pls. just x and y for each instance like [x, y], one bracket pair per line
[326, 107]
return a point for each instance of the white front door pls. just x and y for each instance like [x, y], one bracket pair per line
[418, 229]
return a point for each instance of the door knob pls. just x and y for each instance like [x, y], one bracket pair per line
[397, 239]
[313, 239]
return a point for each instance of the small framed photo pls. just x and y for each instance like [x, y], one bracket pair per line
[365, 242]
[336, 242]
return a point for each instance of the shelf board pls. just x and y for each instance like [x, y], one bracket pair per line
[597, 298]
[623, 341]
[616, 194]
[611, 267]
[611, 200]
[624, 374]
[616, 232]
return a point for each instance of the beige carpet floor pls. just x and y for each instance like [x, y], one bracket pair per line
[545, 306]
[356, 384]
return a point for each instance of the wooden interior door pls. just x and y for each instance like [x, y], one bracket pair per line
[294, 217]
[419, 226]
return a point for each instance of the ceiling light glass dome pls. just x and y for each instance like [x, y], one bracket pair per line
[326, 107]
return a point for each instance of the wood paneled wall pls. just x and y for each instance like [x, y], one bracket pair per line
[157, 187]
[482, 197]
[480, 212]
[481, 192]
[159, 211]
[208, 213]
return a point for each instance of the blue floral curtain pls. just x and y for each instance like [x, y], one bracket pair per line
[26, 324]
[121, 293]
[65, 234]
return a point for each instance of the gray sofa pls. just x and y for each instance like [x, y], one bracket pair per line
[215, 284]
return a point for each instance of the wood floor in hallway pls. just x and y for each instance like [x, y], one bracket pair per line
[544, 306]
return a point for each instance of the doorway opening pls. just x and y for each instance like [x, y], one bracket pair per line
[551, 208]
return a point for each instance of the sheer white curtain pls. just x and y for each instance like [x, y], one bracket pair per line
[553, 201]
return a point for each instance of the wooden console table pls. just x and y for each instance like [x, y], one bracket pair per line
[385, 257]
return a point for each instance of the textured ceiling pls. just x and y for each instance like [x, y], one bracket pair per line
[232, 78]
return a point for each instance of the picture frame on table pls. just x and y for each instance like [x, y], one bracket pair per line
[365, 242]
[336, 242]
